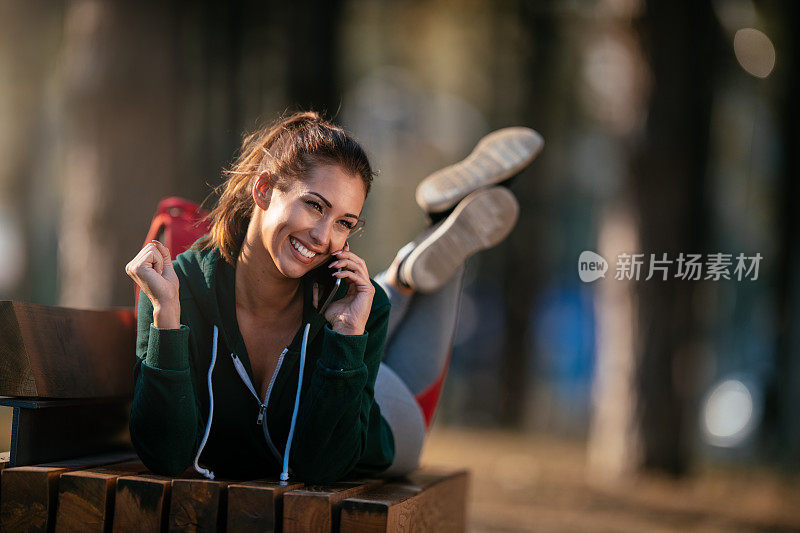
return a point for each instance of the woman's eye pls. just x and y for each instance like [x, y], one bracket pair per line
[314, 205]
[347, 224]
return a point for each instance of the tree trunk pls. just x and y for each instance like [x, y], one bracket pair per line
[670, 185]
[30, 34]
[522, 273]
[120, 141]
[783, 393]
[313, 53]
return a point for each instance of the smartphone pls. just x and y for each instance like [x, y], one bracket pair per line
[328, 284]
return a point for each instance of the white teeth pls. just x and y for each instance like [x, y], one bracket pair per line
[305, 252]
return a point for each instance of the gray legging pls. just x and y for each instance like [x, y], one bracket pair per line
[418, 343]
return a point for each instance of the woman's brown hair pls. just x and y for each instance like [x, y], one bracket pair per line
[288, 150]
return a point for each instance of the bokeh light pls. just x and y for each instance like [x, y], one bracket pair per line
[754, 52]
[730, 413]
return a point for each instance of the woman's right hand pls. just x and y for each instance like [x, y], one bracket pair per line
[152, 270]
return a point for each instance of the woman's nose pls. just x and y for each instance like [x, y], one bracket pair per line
[321, 232]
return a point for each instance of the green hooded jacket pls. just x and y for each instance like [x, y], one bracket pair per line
[339, 431]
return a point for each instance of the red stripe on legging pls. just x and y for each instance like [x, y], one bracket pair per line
[429, 398]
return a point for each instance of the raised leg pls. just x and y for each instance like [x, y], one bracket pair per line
[422, 328]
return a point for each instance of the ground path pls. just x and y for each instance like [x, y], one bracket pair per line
[538, 483]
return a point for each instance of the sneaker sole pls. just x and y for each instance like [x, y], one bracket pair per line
[481, 220]
[495, 158]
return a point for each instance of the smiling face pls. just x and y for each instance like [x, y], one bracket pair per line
[301, 226]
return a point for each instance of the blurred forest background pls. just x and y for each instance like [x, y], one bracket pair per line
[669, 126]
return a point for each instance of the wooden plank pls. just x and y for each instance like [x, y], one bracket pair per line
[141, 503]
[42, 403]
[43, 431]
[58, 352]
[198, 505]
[5, 457]
[257, 505]
[425, 501]
[26, 503]
[86, 497]
[29, 492]
[316, 507]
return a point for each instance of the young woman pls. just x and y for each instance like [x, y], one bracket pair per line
[238, 370]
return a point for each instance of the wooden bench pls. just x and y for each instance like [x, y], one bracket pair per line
[67, 374]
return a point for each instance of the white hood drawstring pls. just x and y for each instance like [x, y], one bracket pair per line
[208, 473]
[285, 473]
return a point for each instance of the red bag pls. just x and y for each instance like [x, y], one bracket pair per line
[178, 224]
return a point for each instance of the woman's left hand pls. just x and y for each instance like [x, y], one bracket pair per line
[349, 315]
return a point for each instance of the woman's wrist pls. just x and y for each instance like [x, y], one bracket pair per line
[167, 316]
[345, 329]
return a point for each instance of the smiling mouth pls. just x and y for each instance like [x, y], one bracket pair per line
[302, 250]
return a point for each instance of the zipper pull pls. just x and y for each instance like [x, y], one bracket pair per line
[261, 411]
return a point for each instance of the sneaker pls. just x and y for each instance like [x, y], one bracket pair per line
[496, 157]
[480, 221]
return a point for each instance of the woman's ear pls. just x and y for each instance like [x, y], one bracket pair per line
[262, 189]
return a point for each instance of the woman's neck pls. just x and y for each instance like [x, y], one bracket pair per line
[261, 289]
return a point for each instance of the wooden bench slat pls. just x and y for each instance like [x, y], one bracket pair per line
[198, 505]
[425, 501]
[256, 505]
[141, 503]
[29, 493]
[316, 507]
[86, 497]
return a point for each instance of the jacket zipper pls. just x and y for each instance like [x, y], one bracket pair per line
[263, 416]
[262, 406]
